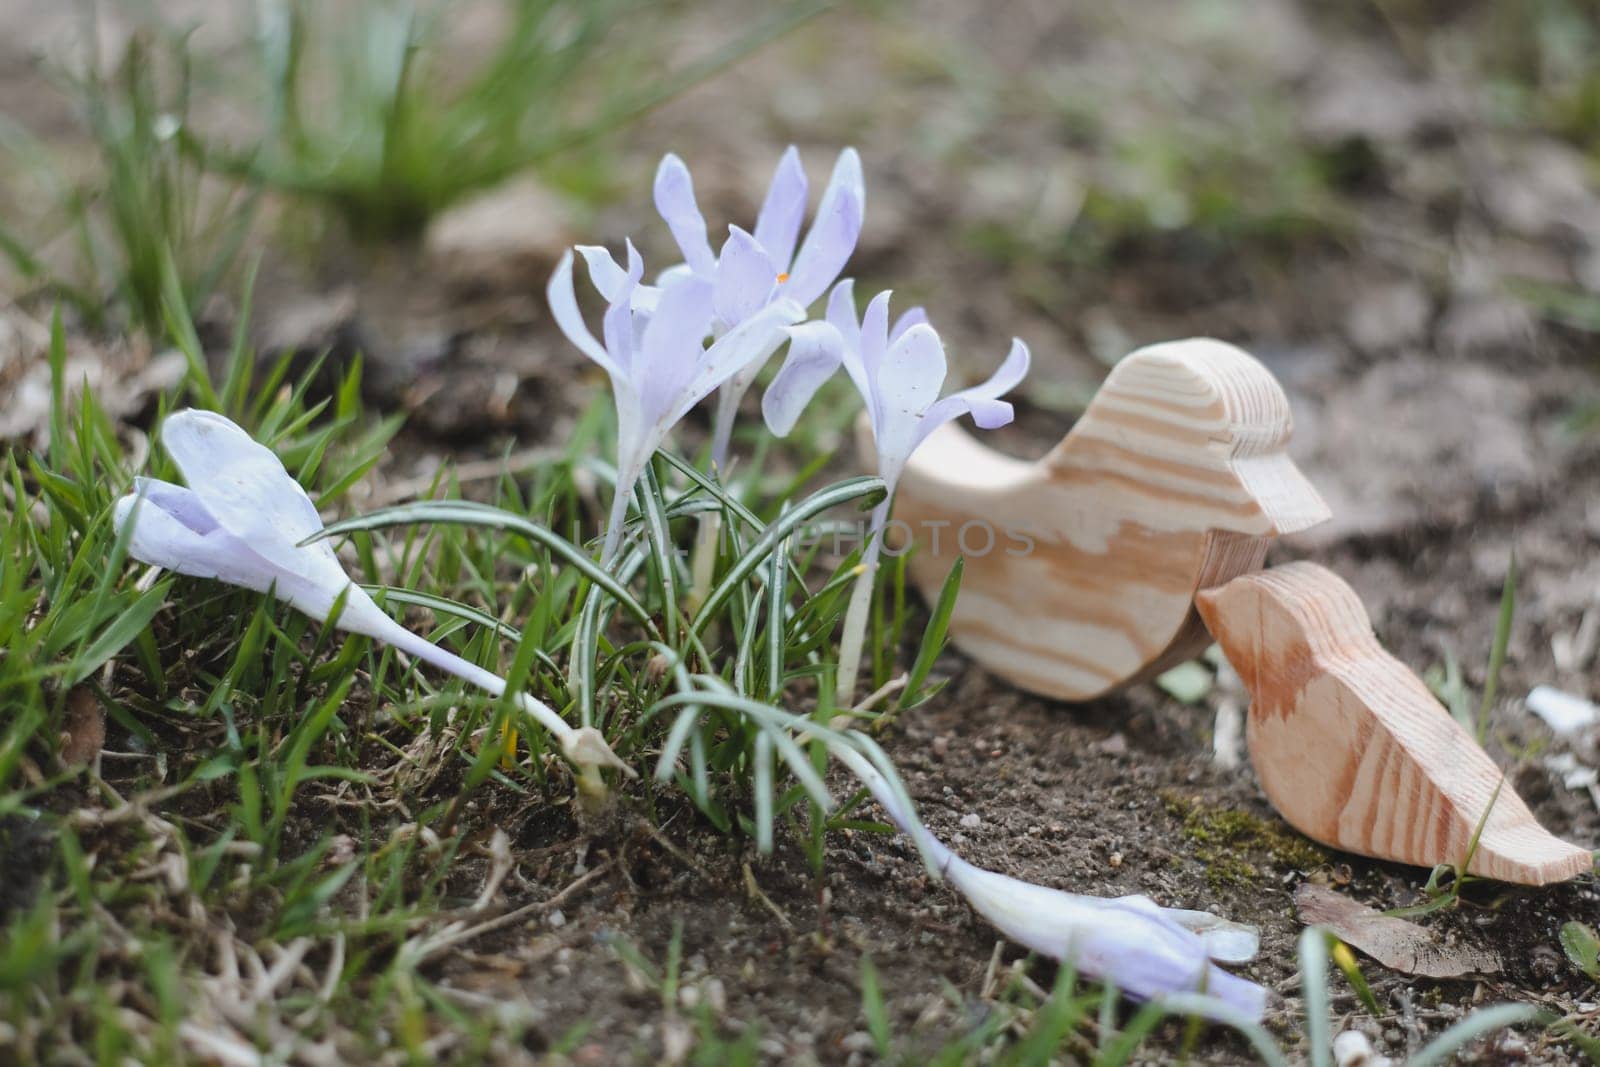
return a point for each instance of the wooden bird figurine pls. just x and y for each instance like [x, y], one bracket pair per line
[1353, 749]
[1081, 568]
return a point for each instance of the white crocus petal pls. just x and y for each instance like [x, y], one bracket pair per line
[672, 275]
[912, 317]
[833, 233]
[610, 279]
[243, 486]
[784, 209]
[908, 381]
[746, 278]
[748, 344]
[815, 351]
[982, 401]
[621, 326]
[671, 346]
[563, 299]
[875, 335]
[841, 315]
[674, 196]
[173, 531]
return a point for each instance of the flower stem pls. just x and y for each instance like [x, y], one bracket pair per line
[857, 614]
[585, 747]
[728, 400]
[467, 671]
[703, 563]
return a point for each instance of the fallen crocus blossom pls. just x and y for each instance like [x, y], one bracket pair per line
[1132, 943]
[658, 361]
[243, 520]
[899, 373]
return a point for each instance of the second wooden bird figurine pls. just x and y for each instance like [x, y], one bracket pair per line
[1352, 748]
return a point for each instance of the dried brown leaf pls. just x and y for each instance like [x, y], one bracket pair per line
[1398, 944]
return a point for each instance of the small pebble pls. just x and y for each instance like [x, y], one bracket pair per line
[1511, 1047]
[1114, 860]
[557, 919]
[860, 1041]
[1354, 1049]
[971, 821]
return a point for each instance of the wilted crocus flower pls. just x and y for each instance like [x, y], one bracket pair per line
[753, 270]
[243, 520]
[899, 373]
[658, 361]
[1130, 942]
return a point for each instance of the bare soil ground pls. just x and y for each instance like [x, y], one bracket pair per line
[1321, 184]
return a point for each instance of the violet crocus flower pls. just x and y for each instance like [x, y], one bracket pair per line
[1144, 950]
[899, 373]
[243, 520]
[658, 360]
[753, 269]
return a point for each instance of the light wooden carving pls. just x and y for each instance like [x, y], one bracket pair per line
[1081, 568]
[1350, 745]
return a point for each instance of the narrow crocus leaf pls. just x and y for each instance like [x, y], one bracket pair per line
[243, 520]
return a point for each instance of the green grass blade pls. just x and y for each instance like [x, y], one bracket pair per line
[1474, 1026]
[1314, 991]
[1497, 653]
[465, 513]
[933, 638]
[868, 491]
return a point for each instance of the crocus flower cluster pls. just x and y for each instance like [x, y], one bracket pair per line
[732, 309]
[243, 520]
[724, 312]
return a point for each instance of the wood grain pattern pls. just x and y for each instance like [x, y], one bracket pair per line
[1081, 568]
[1352, 748]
